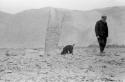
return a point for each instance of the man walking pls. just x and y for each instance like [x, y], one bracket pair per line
[101, 30]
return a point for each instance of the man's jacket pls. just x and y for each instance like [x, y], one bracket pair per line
[101, 29]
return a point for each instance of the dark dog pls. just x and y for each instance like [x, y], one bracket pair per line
[68, 49]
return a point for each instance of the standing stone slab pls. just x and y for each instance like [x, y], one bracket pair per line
[55, 21]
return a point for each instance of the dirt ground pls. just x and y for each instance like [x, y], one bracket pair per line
[31, 65]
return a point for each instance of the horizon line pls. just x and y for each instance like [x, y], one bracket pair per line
[58, 8]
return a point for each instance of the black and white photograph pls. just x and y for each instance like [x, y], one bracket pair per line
[62, 40]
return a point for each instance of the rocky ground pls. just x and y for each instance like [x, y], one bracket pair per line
[31, 65]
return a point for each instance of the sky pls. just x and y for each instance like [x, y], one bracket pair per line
[15, 6]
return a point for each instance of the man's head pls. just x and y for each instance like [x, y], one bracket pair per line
[103, 18]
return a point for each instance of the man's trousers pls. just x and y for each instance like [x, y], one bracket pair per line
[102, 43]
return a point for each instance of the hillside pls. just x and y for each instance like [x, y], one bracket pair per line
[28, 28]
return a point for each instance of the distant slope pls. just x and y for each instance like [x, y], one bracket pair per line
[28, 28]
[25, 29]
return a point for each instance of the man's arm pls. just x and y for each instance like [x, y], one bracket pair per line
[106, 30]
[97, 29]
